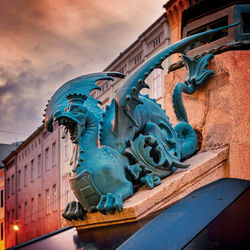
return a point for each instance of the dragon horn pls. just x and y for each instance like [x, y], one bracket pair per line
[135, 82]
[81, 85]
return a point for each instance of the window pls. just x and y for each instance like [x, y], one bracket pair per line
[66, 147]
[8, 221]
[26, 218]
[66, 192]
[1, 231]
[157, 83]
[39, 206]
[53, 154]
[54, 198]
[19, 180]
[12, 184]
[47, 202]
[212, 25]
[12, 216]
[156, 41]
[123, 70]
[32, 210]
[153, 44]
[39, 165]
[32, 170]
[136, 59]
[25, 175]
[8, 187]
[246, 22]
[2, 198]
[46, 159]
[19, 212]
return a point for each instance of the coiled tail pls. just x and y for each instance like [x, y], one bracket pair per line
[197, 75]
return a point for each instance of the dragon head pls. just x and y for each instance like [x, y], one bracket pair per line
[72, 102]
[73, 117]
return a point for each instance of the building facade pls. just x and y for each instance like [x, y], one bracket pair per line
[221, 115]
[2, 209]
[32, 184]
[5, 150]
[36, 173]
[174, 10]
[66, 193]
[152, 40]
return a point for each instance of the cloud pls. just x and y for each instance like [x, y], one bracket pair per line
[24, 92]
[45, 43]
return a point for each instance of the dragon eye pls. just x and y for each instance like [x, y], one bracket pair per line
[76, 111]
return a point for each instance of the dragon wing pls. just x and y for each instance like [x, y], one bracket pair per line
[80, 85]
[128, 98]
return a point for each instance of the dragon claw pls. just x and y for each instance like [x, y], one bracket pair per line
[74, 211]
[101, 205]
[109, 203]
[151, 180]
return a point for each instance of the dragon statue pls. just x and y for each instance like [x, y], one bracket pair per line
[132, 141]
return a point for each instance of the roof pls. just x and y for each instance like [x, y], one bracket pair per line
[179, 225]
[22, 145]
[5, 150]
[163, 17]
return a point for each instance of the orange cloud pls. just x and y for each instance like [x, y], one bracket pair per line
[44, 43]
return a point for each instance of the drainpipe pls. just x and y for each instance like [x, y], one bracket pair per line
[16, 197]
[5, 203]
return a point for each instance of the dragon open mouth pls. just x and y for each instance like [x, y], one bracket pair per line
[70, 126]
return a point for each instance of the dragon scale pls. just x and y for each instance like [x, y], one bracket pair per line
[133, 141]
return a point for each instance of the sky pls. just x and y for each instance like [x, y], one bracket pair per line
[44, 43]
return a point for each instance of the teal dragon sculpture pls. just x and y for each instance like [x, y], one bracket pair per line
[132, 142]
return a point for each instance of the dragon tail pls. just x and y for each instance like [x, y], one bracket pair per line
[197, 75]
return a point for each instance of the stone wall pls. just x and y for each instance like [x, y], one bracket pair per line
[219, 109]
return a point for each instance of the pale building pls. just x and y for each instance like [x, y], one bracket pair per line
[2, 209]
[152, 40]
[37, 172]
[5, 149]
[32, 187]
[66, 149]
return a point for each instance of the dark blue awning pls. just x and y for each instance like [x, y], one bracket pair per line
[202, 220]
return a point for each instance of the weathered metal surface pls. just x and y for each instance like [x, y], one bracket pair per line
[133, 140]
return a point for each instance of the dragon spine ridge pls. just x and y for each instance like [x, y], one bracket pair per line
[136, 137]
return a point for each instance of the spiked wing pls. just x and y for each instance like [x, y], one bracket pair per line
[80, 85]
[128, 98]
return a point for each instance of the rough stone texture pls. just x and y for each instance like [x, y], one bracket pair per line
[219, 111]
[220, 108]
[204, 168]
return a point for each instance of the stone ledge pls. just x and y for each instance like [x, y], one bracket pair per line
[204, 168]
